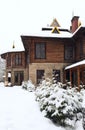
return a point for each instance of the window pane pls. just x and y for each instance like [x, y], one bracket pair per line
[40, 50]
[68, 52]
[40, 74]
[19, 77]
[43, 50]
[18, 59]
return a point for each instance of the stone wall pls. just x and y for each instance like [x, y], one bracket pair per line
[48, 67]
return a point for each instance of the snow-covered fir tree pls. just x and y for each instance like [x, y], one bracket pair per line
[62, 106]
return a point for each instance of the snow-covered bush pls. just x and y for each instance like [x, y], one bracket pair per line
[83, 109]
[28, 85]
[62, 106]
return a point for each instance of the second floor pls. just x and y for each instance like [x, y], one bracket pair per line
[14, 59]
[55, 49]
[48, 50]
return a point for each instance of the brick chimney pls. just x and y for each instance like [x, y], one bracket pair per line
[74, 23]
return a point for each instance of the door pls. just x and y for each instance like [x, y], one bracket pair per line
[19, 77]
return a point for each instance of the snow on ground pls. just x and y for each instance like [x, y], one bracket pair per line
[20, 111]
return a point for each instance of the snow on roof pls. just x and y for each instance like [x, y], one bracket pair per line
[49, 34]
[16, 49]
[75, 64]
[13, 50]
[10, 51]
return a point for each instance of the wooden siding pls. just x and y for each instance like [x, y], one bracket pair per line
[80, 49]
[54, 50]
[12, 64]
[84, 47]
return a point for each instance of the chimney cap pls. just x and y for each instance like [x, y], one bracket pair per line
[74, 17]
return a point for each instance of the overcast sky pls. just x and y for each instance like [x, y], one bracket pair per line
[19, 17]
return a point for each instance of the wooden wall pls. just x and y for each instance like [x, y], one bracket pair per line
[80, 49]
[54, 50]
[12, 64]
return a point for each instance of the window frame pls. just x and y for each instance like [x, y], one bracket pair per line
[18, 77]
[69, 49]
[18, 59]
[40, 75]
[39, 53]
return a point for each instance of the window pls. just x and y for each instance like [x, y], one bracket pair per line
[27, 58]
[8, 59]
[19, 77]
[40, 50]
[40, 74]
[56, 75]
[69, 53]
[18, 59]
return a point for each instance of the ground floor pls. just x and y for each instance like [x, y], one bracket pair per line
[35, 72]
[16, 76]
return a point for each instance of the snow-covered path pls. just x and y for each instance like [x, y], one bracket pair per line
[20, 111]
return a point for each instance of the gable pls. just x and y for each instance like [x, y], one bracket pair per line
[55, 30]
[55, 23]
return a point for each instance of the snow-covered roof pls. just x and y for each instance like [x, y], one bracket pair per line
[16, 49]
[64, 33]
[49, 34]
[75, 64]
[13, 50]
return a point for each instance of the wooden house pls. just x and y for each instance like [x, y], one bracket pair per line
[54, 50]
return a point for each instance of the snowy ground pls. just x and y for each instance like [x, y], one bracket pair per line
[20, 111]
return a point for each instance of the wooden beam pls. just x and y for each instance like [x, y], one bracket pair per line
[78, 77]
[71, 76]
